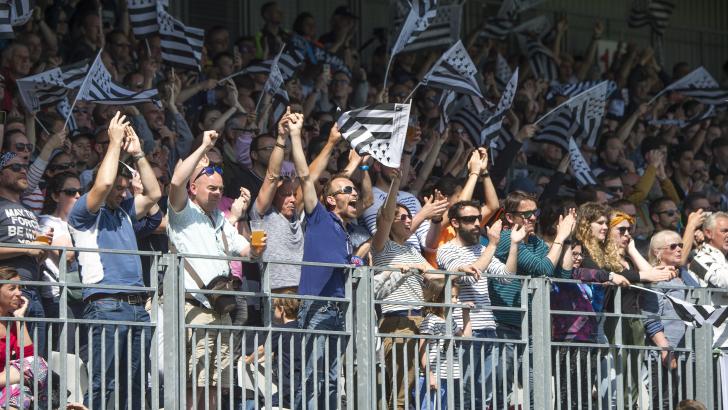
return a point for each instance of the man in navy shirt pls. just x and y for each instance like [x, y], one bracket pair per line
[103, 219]
[326, 240]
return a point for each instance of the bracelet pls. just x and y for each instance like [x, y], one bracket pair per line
[138, 156]
[405, 152]
[364, 167]
[474, 173]
[558, 243]
[279, 145]
[485, 175]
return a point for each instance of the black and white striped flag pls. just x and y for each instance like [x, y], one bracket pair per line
[570, 90]
[497, 28]
[699, 84]
[98, 87]
[466, 113]
[6, 29]
[20, 11]
[493, 125]
[316, 55]
[63, 108]
[579, 167]
[558, 127]
[454, 71]
[378, 130]
[446, 100]
[443, 30]
[541, 60]
[499, 142]
[418, 19]
[503, 72]
[589, 108]
[539, 25]
[652, 13]
[275, 77]
[693, 314]
[143, 16]
[51, 86]
[181, 45]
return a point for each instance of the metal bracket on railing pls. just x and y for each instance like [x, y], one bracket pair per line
[360, 272]
[164, 261]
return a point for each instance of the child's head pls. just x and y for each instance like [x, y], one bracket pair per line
[434, 292]
[285, 308]
[690, 405]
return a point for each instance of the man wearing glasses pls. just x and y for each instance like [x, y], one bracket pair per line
[20, 225]
[535, 258]
[196, 226]
[664, 214]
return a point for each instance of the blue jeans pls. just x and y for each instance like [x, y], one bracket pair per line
[317, 315]
[511, 350]
[104, 364]
[477, 373]
[37, 330]
[431, 396]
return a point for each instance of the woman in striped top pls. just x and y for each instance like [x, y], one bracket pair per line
[390, 248]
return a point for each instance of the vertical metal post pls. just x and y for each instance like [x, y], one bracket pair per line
[364, 341]
[63, 315]
[268, 347]
[617, 355]
[170, 310]
[704, 356]
[541, 328]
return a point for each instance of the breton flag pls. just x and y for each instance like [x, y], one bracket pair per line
[652, 13]
[280, 102]
[571, 90]
[579, 167]
[493, 125]
[472, 119]
[588, 108]
[6, 29]
[181, 45]
[446, 99]
[49, 87]
[440, 30]
[275, 77]
[503, 72]
[416, 22]
[559, 127]
[143, 16]
[539, 25]
[699, 84]
[454, 71]
[541, 60]
[63, 108]
[20, 11]
[378, 130]
[499, 26]
[499, 142]
[692, 314]
[98, 87]
[317, 55]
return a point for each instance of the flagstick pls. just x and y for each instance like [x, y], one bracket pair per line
[149, 50]
[386, 73]
[70, 112]
[413, 91]
[41, 125]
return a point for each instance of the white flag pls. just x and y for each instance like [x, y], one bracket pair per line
[378, 130]
[579, 166]
[454, 71]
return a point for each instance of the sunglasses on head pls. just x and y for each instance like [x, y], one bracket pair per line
[17, 167]
[209, 171]
[72, 191]
[24, 147]
[528, 214]
[345, 190]
[674, 246]
[469, 219]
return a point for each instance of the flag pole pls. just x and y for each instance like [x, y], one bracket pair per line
[41, 124]
[413, 91]
[83, 86]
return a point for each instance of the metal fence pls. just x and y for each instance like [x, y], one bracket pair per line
[363, 361]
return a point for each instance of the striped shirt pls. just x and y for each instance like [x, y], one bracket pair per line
[451, 257]
[409, 289]
[33, 197]
[418, 239]
[437, 355]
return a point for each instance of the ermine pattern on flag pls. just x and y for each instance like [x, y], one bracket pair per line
[100, 88]
[455, 71]
[558, 127]
[378, 130]
[442, 31]
[51, 86]
[579, 167]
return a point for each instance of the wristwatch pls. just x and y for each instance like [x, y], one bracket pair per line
[611, 276]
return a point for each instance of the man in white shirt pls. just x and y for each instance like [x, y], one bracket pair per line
[709, 264]
[197, 226]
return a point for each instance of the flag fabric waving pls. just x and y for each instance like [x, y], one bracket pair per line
[493, 125]
[378, 130]
[446, 100]
[570, 90]
[579, 167]
[63, 108]
[474, 121]
[442, 31]
[20, 11]
[454, 71]
[588, 108]
[541, 60]
[558, 127]
[51, 86]
[693, 314]
[416, 22]
[6, 29]
[98, 87]
[653, 13]
[181, 45]
[143, 16]
[503, 72]
[698, 84]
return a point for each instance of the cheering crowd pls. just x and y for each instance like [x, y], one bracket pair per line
[213, 158]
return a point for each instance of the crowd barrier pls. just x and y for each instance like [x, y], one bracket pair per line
[526, 370]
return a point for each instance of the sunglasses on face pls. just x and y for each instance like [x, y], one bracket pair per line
[674, 246]
[528, 214]
[576, 255]
[19, 146]
[669, 212]
[17, 167]
[209, 171]
[623, 229]
[403, 217]
[72, 191]
[469, 219]
[61, 167]
[347, 190]
[615, 189]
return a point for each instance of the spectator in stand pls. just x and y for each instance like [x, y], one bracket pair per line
[270, 38]
[664, 214]
[193, 214]
[103, 219]
[681, 159]
[19, 225]
[611, 156]
[612, 182]
[710, 265]
[23, 368]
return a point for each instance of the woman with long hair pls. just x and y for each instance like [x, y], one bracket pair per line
[666, 249]
[25, 369]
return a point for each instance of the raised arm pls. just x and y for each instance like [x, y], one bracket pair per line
[431, 151]
[386, 215]
[183, 173]
[152, 194]
[270, 182]
[318, 165]
[491, 204]
[591, 51]
[299, 160]
[108, 169]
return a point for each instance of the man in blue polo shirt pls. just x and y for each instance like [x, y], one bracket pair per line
[103, 219]
[326, 240]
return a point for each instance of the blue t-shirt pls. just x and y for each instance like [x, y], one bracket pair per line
[326, 240]
[106, 229]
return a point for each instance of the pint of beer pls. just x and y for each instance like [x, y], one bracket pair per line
[257, 234]
[44, 235]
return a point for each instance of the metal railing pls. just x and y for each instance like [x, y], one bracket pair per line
[271, 366]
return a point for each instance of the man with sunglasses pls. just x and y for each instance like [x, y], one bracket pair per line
[197, 226]
[19, 225]
[535, 258]
[664, 214]
[103, 218]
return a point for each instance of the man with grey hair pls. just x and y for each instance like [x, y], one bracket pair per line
[710, 264]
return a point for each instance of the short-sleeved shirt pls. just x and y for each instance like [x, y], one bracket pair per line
[18, 225]
[413, 205]
[192, 231]
[51, 270]
[106, 229]
[452, 256]
[326, 240]
[437, 356]
[410, 289]
[285, 243]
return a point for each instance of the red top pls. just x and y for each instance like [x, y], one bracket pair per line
[14, 347]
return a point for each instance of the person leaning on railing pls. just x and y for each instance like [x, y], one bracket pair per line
[197, 226]
[18, 375]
